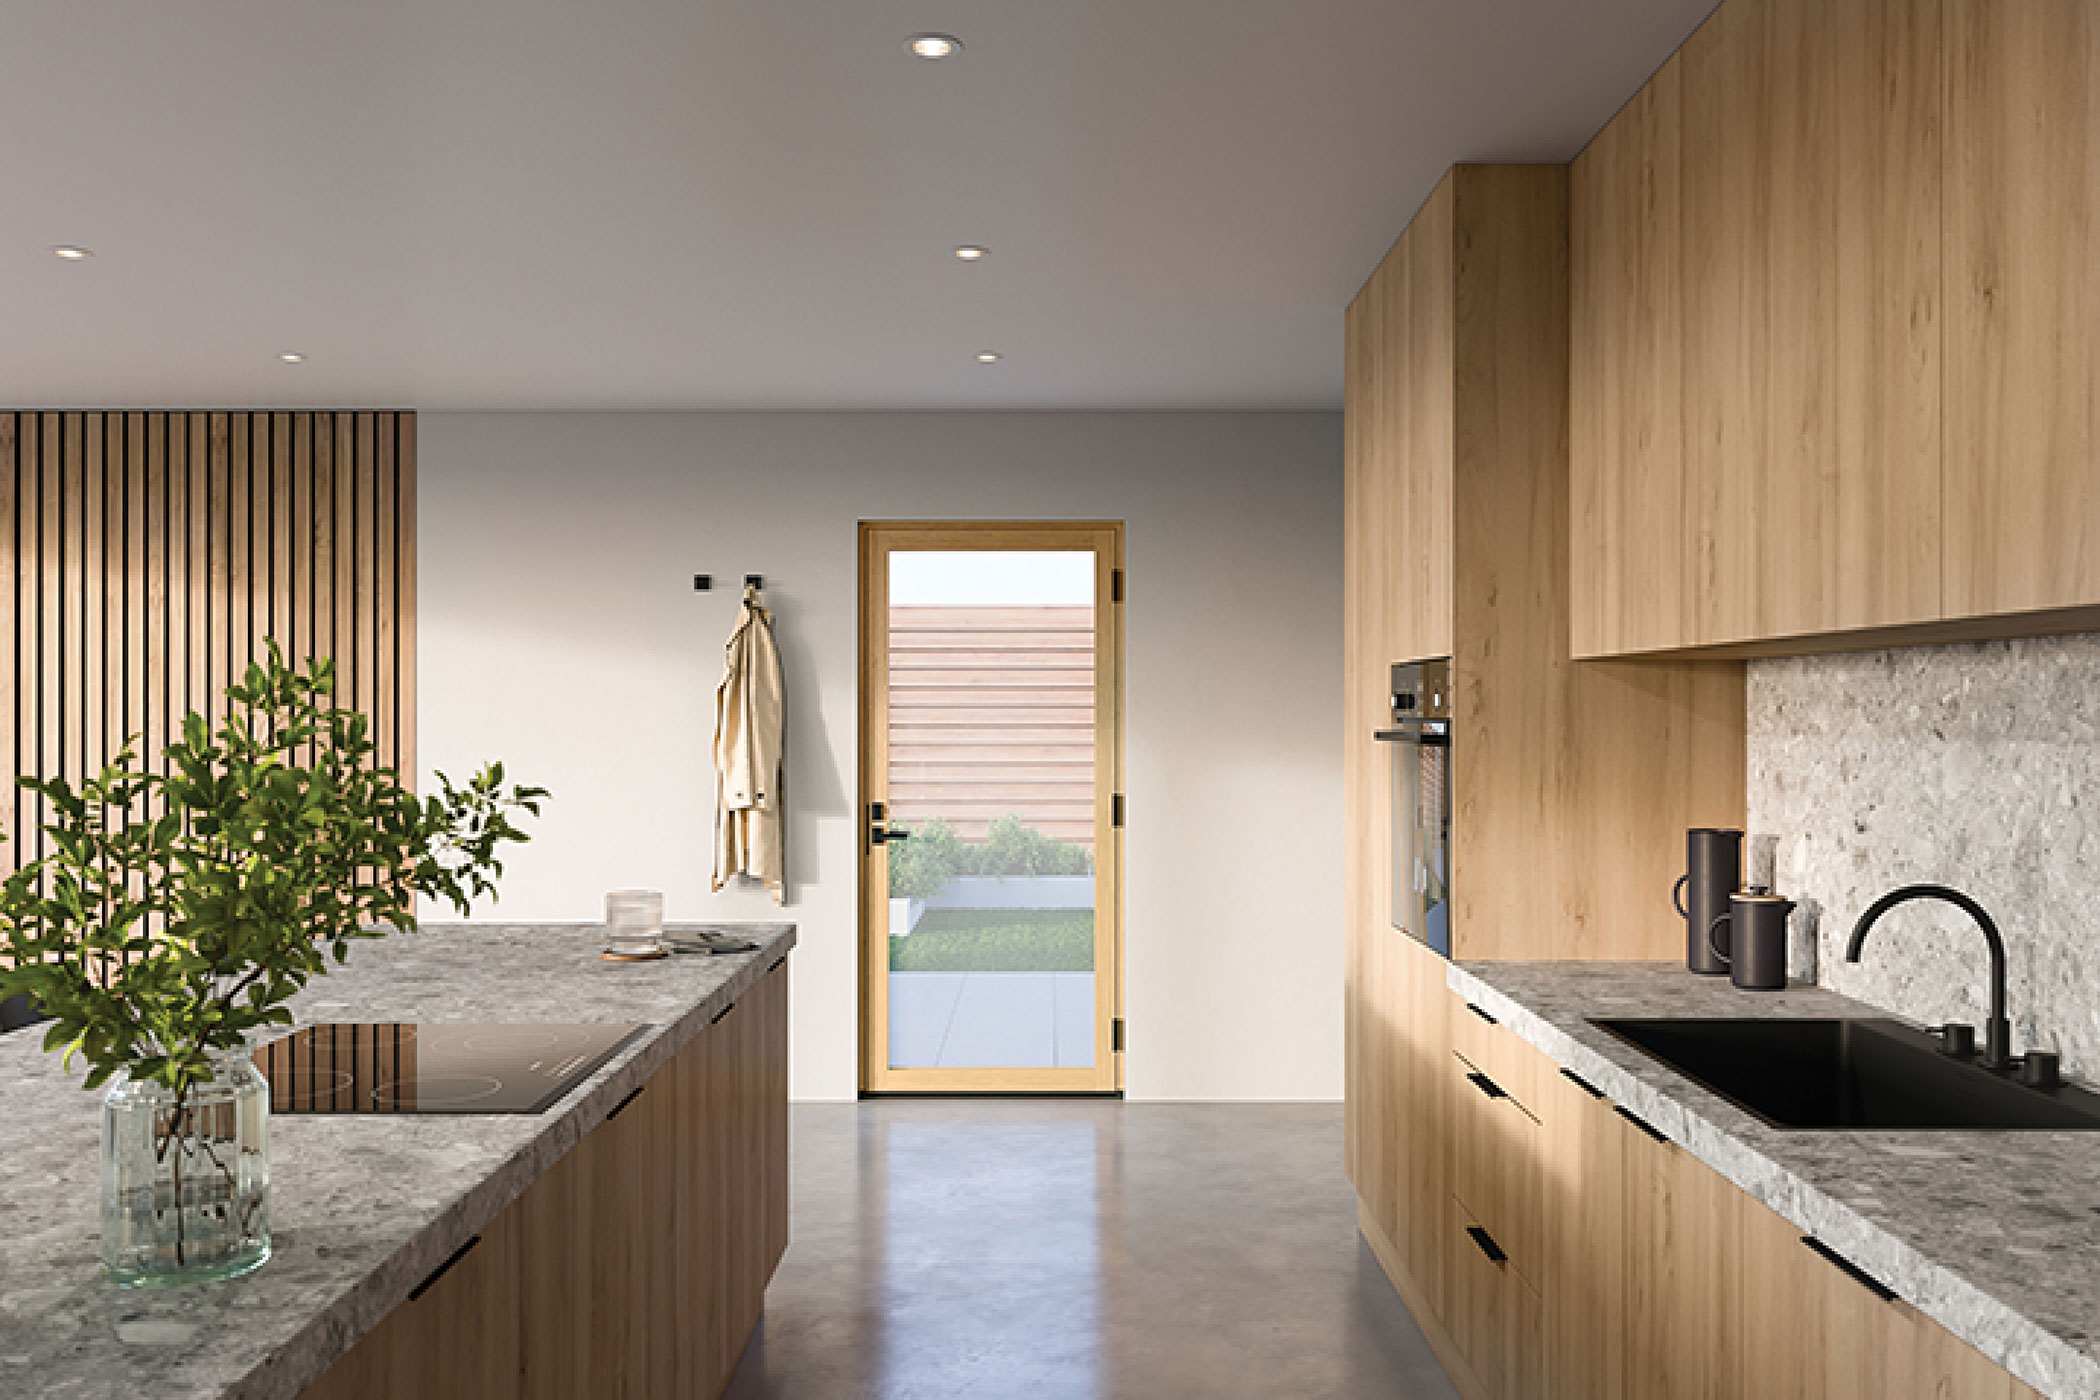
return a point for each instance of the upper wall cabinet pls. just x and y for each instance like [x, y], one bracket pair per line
[1626, 378]
[1833, 327]
[1398, 436]
[2023, 305]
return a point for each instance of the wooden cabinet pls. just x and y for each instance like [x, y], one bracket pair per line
[1630, 561]
[1398, 1052]
[1835, 316]
[637, 1266]
[2022, 475]
[1496, 1320]
[1572, 785]
[1583, 1256]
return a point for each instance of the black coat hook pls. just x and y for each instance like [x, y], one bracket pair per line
[754, 581]
[703, 582]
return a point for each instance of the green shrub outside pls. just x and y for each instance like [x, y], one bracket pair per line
[921, 867]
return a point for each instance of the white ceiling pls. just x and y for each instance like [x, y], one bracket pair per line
[745, 204]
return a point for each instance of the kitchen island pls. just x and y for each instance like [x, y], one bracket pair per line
[622, 1235]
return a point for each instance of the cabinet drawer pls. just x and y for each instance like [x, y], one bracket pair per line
[1497, 1052]
[1496, 1152]
[1493, 1315]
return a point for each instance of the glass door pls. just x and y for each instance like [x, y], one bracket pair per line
[990, 713]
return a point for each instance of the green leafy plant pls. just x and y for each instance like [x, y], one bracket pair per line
[1012, 847]
[179, 911]
[921, 867]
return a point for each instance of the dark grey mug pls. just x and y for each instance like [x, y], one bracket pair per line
[1755, 950]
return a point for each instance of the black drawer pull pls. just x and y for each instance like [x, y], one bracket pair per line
[439, 1272]
[1487, 1086]
[1639, 1122]
[778, 963]
[1482, 1014]
[1851, 1270]
[1583, 1084]
[631, 1097]
[1487, 1244]
[720, 1014]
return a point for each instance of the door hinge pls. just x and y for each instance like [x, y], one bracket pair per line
[1115, 585]
[1115, 810]
[1115, 1035]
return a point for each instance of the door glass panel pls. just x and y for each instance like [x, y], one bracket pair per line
[991, 771]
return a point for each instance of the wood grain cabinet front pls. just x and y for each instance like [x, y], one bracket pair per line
[1582, 1255]
[1836, 333]
[637, 1266]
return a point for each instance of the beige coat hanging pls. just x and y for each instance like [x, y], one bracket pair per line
[748, 705]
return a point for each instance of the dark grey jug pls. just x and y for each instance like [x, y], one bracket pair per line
[1713, 870]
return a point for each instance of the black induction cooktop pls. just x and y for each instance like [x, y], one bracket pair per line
[434, 1067]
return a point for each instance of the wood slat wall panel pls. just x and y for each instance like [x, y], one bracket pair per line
[991, 713]
[147, 558]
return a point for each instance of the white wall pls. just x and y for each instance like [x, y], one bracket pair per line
[559, 630]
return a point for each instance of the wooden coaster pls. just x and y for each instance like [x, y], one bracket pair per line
[634, 957]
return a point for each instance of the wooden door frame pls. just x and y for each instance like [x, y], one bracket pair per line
[878, 538]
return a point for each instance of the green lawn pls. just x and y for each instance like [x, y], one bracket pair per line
[998, 940]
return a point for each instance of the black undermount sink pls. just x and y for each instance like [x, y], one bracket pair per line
[1850, 1074]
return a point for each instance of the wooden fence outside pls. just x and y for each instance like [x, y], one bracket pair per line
[991, 713]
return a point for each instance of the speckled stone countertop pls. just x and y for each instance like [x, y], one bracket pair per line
[362, 1208]
[1995, 1235]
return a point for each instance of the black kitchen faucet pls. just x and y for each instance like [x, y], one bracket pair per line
[1997, 1036]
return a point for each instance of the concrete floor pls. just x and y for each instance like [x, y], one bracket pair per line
[1070, 1249]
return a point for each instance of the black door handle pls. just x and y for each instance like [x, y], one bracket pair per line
[1486, 1243]
[1487, 1086]
[1851, 1270]
[878, 836]
[441, 1270]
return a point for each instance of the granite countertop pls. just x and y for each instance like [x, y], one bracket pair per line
[1995, 1235]
[362, 1208]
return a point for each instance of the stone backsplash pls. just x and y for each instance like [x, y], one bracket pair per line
[1976, 766]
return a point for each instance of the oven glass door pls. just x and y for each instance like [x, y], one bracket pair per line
[1421, 879]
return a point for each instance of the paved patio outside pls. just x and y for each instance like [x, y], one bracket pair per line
[1004, 1020]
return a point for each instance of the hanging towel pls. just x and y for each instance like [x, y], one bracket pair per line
[748, 830]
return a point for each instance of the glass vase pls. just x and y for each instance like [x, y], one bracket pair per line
[186, 1182]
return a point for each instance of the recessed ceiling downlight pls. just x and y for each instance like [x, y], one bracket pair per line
[71, 252]
[971, 252]
[292, 357]
[934, 45]
[989, 357]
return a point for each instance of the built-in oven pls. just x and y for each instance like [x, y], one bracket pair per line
[1420, 740]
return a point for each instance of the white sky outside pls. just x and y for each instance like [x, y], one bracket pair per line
[992, 578]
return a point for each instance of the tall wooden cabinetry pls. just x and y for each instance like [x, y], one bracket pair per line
[1572, 784]
[1834, 326]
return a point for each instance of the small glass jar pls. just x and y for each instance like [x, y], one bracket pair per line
[634, 924]
[186, 1188]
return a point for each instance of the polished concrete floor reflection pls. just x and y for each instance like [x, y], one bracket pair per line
[1065, 1249]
